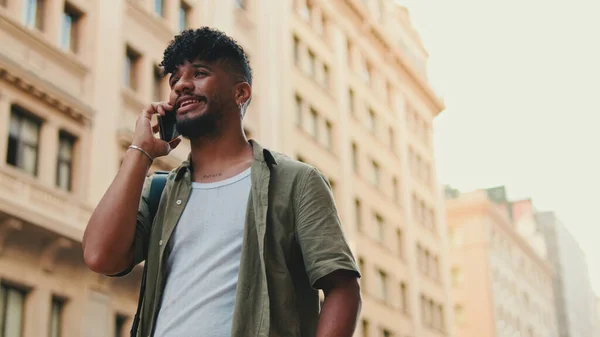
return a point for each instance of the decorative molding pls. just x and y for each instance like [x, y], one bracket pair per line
[49, 254]
[45, 91]
[39, 42]
[6, 228]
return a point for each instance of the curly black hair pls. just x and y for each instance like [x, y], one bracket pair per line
[207, 44]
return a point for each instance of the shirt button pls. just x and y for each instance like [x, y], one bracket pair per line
[178, 202]
[160, 243]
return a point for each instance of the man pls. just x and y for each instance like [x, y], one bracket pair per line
[243, 236]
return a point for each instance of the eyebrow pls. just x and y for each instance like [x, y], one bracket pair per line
[195, 66]
[201, 65]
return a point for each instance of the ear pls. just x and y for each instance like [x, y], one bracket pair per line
[243, 92]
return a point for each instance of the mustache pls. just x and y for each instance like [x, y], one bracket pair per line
[183, 98]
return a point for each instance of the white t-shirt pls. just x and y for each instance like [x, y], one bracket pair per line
[202, 268]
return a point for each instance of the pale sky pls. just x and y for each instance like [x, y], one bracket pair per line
[521, 82]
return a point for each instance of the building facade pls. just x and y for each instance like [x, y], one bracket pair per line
[502, 286]
[572, 289]
[338, 84]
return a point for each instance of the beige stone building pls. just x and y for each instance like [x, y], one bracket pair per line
[340, 84]
[501, 277]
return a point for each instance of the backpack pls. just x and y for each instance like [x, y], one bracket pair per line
[159, 180]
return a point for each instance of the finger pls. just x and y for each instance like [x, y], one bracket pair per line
[160, 109]
[155, 128]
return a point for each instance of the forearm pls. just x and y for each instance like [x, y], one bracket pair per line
[110, 233]
[340, 312]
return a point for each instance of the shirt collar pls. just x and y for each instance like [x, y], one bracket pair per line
[260, 154]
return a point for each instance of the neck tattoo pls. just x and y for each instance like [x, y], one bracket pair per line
[209, 176]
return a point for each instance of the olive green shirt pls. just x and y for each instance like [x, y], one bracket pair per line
[292, 238]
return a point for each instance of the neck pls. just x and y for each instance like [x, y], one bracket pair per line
[214, 155]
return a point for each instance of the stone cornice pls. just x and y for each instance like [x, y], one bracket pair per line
[46, 91]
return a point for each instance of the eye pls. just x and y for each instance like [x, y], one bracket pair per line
[200, 73]
[173, 81]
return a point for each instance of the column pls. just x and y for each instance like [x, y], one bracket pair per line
[37, 312]
[340, 78]
[172, 14]
[4, 125]
[53, 20]
[48, 152]
[146, 78]
[107, 65]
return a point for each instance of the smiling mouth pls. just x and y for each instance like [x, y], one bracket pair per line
[186, 103]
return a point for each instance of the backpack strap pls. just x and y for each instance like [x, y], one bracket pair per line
[157, 185]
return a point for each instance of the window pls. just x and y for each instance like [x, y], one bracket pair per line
[312, 64]
[372, 120]
[184, 16]
[159, 7]
[459, 315]
[248, 133]
[365, 328]
[376, 173]
[363, 272]
[34, 13]
[306, 11]
[132, 59]
[439, 317]
[351, 101]
[357, 214]
[325, 82]
[158, 84]
[240, 4]
[120, 326]
[367, 72]
[70, 29]
[386, 333]
[12, 303]
[56, 312]
[435, 268]
[380, 228]
[355, 157]
[299, 110]
[23, 140]
[329, 130]
[349, 51]
[403, 298]
[392, 139]
[296, 50]
[395, 190]
[425, 312]
[400, 238]
[383, 290]
[64, 170]
[456, 277]
[314, 123]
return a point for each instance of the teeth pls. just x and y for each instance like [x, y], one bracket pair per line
[189, 102]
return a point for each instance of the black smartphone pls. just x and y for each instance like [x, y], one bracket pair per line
[166, 123]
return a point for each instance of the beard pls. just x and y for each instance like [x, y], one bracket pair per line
[205, 125]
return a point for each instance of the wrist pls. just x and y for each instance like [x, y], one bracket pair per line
[141, 152]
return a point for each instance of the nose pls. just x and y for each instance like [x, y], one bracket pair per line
[184, 85]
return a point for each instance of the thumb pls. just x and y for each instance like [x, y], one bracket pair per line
[173, 144]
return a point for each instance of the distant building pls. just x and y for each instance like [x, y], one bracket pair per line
[572, 288]
[502, 285]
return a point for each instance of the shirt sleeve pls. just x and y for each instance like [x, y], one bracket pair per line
[142, 230]
[319, 231]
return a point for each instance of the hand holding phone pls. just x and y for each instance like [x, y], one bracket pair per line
[144, 135]
[167, 128]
